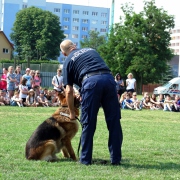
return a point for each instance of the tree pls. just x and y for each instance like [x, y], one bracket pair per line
[37, 34]
[93, 41]
[141, 43]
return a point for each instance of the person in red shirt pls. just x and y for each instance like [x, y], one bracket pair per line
[3, 82]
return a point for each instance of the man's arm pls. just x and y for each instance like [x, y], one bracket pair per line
[70, 100]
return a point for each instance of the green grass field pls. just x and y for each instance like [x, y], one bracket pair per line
[151, 147]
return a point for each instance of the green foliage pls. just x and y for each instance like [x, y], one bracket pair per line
[140, 43]
[36, 33]
[93, 41]
[32, 61]
[150, 147]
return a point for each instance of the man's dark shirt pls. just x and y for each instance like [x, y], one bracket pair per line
[79, 63]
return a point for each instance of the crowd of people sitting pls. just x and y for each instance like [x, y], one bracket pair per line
[25, 90]
[130, 101]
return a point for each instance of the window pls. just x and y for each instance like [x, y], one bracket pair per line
[85, 21]
[177, 44]
[66, 11]
[66, 35]
[93, 29]
[84, 36]
[6, 51]
[103, 22]
[75, 28]
[24, 6]
[94, 21]
[85, 12]
[75, 20]
[66, 27]
[94, 13]
[57, 10]
[66, 19]
[102, 30]
[103, 14]
[178, 30]
[75, 11]
[74, 35]
[84, 28]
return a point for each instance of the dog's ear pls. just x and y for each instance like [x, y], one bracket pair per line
[62, 99]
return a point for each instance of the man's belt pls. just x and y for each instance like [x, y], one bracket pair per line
[95, 73]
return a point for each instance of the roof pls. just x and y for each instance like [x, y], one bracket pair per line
[12, 45]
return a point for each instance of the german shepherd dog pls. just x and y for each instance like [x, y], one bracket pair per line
[54, 134]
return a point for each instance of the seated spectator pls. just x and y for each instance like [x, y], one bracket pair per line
[168, 103]
[37, 91]
[45, 92]
[176, 104]
[155, 103]
[6, 97]
[123, 97]
[31, 99]
[2, 100]
[147, 103]
[135, 101]
[161, 100]
[54, 98]
[49, 97]
[128, 103]
[42, 100]
[16, 100]
[145, 94]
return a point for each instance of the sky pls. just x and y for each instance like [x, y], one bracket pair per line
[169, 5]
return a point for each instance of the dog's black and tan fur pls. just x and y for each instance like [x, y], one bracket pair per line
[54, 135]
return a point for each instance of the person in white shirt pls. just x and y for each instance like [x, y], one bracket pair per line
[130, 83]
[57, 81]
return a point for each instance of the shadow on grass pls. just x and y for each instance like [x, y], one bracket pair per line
[151, 165]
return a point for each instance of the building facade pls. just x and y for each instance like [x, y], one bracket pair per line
[6, 48]
[76, 20]
[175, 46]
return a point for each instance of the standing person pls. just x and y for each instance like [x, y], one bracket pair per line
[86, 68]
[57, 81]
[11, 80]
[28, 77]
[37, 79]
[32, 73]
[119, 85]
[4, 79]
[130, 83]
[18, 76]
[23, 90]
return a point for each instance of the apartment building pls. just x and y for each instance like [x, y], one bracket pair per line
[175, 46]
[76, 20]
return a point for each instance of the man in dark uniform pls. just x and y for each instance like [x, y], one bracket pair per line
[87, 69]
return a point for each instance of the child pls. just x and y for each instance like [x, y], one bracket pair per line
[43, 100]
[135, 101]
[2, 100]
[128, 103]
[11, 80]
[168, 103]
[31, 99]
[16, 100]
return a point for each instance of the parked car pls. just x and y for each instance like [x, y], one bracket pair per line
[172, 88]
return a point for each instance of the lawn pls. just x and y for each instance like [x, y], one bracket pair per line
[151, 147]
